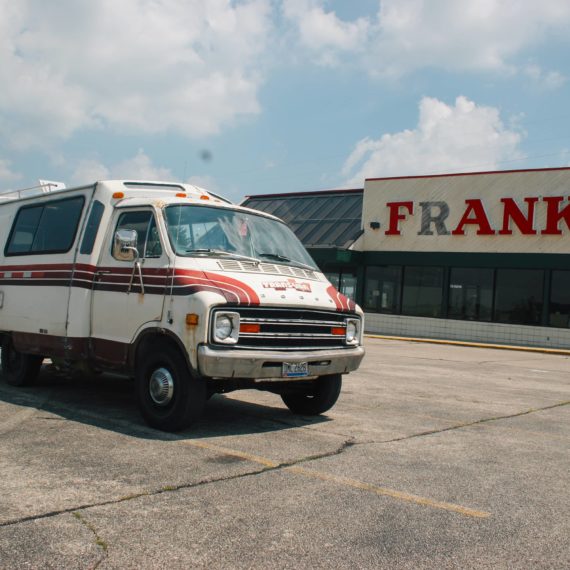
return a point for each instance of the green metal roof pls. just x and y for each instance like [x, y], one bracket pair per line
[330, 218]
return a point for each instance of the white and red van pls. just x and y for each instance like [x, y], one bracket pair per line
[173, 285]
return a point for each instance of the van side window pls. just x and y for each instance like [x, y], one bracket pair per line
[49, 227]
[92, 227]
[148, 242]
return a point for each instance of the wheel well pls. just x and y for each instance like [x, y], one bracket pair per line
[148, 340]
[4, 337]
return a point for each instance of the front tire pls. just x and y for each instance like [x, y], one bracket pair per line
[170, 398]
[17, 368]
[319, 398]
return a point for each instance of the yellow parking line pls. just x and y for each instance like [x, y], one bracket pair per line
[424, 501]
[233, 453]
[383, 491]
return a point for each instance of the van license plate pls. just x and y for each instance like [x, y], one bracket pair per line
[295, 369]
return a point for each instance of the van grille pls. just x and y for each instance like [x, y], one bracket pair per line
[289, 329]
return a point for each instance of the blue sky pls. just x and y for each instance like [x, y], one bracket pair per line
[264, 96]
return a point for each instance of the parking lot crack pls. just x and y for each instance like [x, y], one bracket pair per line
[338, 451]
[101, 544]
[133, 496]
[468, 424]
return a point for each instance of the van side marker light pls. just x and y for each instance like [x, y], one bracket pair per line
[192, 319]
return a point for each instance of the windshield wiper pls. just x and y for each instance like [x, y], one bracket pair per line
[285, 259]
[210, 251]
[275, 256]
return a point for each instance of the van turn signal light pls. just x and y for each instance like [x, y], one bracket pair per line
[249, 328]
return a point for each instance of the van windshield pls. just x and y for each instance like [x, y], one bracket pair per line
[221, 232]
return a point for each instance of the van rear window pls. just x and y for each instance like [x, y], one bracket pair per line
[49, 227]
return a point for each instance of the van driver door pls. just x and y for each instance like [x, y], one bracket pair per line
[128, 295]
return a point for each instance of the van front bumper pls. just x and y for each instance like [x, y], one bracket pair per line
[257, 364]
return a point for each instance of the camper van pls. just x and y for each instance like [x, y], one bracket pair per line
[173, 286]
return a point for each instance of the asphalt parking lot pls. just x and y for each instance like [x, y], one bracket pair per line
[434, 457]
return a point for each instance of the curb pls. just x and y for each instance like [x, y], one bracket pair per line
[537, 349]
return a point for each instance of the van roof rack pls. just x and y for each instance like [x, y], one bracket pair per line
[44, 187]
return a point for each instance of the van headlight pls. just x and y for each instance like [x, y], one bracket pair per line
[352, 332]
[226, 327]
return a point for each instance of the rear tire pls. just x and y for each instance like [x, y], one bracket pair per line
[17, 368]
[320, 397]
[170, 398]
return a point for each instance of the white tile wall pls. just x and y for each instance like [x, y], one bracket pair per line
[447, 329]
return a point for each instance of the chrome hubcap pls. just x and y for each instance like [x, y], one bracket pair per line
[161, 387]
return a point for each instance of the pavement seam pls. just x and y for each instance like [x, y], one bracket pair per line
[160, 491]
[296, 468]
[101, 544]
[268, 466]
[269, 463]
[467, 424]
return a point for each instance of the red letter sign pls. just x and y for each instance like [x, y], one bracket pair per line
[512, 211]
[479, 218]
[554, 215]
[396, 216]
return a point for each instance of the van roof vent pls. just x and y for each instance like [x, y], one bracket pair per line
[153, 186]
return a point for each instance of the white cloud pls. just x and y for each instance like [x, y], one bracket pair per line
[135, 66]
[463, 137]
[88, 171]
[545, 79]
[138, 167]
[323, 32]
[206, 181]
[405, 35]
[482, 35]
[7, 175]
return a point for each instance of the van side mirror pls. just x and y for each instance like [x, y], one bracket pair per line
[125, 245]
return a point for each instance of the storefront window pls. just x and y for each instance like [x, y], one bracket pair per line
[348, 285]
[423, 287]
[344, 281]
[518, 296]
[470, 294]
[334, 278]
[382, 289]
[560, 299]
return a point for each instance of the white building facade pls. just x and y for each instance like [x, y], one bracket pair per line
[481, 257]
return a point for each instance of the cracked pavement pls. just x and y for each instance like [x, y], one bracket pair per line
[435, 456]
